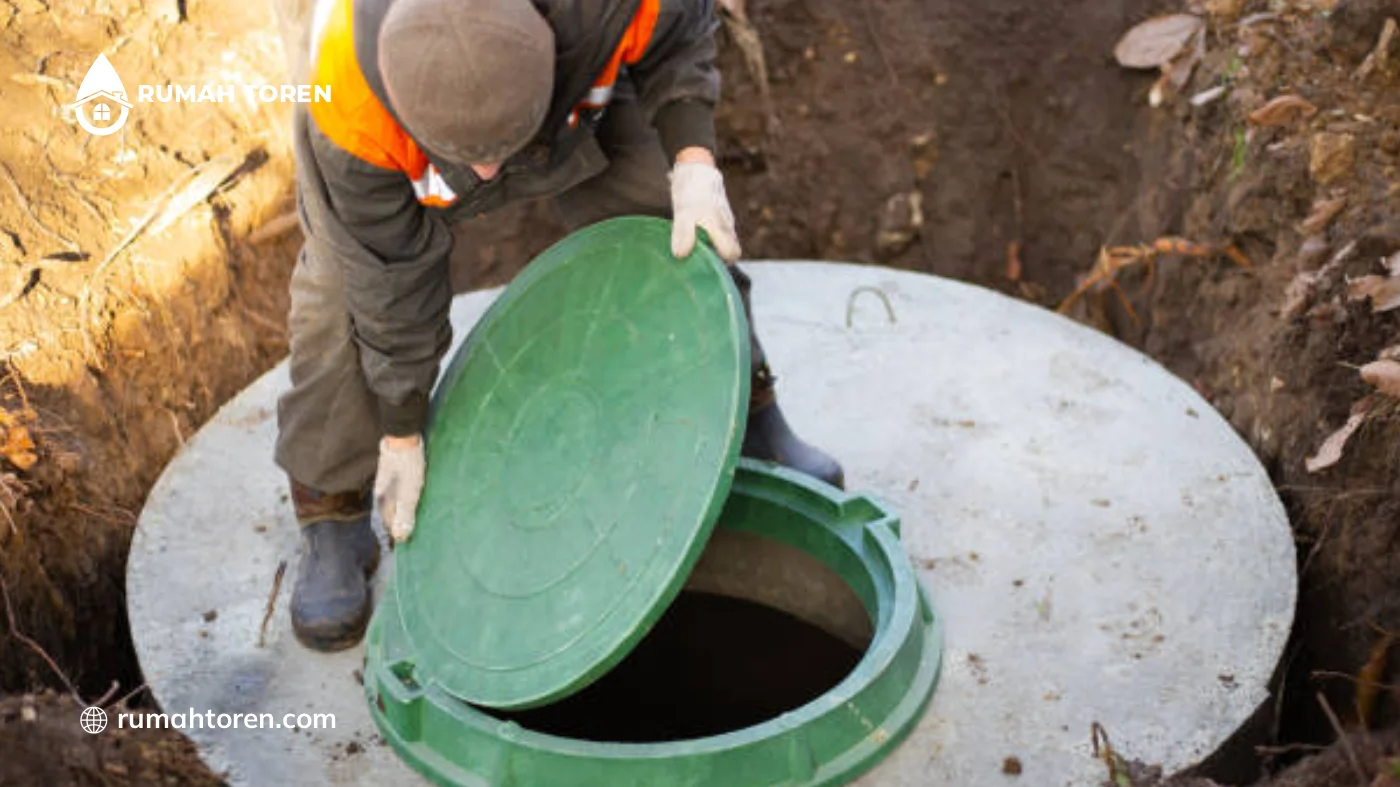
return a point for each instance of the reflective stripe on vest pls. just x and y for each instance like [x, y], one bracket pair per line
[598, 96]
[628, 52]
[431, 189]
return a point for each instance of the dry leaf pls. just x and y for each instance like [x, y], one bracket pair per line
[1157, 41]
[1282, 111]
[1384, 375]
[1384, 292]
[1330, 452]
[1323, 211]
[19, 448]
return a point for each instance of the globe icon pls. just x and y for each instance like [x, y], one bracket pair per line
[94, 719]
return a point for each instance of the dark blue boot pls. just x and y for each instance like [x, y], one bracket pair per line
[331, 601]
[767, 435]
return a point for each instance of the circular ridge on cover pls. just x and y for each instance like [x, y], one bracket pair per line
[580, 448]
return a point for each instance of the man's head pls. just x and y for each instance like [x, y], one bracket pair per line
[470, 79]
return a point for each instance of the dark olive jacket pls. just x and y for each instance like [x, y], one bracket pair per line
[374, 199]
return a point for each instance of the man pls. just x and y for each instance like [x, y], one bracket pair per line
[446, 109]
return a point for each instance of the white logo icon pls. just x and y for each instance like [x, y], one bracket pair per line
[94, 719]
[104, 91]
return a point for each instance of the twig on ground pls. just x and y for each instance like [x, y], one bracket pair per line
[1327, 673]
[126, 517]
[175, 423]
[35, 646]
[1254, 19]
[1105, 753]
[751, 46]
[13, 376]
[127, 696]
[1380, 56]
[14, 529]
[108, 695]
[1342, 739]
[1289, 748]
[271, 603]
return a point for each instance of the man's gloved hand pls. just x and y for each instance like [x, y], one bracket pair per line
[698, 200]
[399, 483]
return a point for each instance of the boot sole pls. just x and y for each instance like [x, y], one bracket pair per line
[349, 640]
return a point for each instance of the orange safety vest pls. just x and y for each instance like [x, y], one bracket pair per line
[357, 122]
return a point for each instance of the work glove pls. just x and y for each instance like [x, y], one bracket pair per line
[398, 485]
[698, 200]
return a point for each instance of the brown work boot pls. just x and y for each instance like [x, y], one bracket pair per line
[331, 599]
[768, 436]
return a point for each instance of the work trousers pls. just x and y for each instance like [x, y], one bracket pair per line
[328, 423]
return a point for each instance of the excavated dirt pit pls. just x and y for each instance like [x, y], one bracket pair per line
[995, 142]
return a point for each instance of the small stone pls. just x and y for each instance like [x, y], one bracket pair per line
[1011, 766]
[899, 224]
[1331, 156]
[210, 615]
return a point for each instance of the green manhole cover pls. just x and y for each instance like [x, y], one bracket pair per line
[581, 446]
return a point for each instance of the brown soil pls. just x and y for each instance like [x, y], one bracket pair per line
[1008, 125]
[45, 727]
[1283, 372]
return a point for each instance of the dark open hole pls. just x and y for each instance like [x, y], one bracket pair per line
[712, 664]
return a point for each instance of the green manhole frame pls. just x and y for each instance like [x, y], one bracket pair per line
[828, 741]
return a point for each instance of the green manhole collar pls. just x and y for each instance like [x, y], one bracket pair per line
[828, 741]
